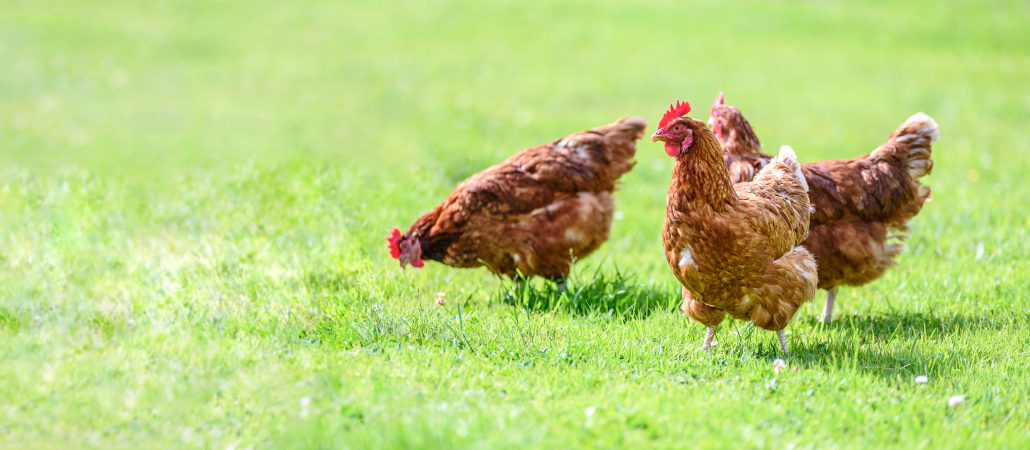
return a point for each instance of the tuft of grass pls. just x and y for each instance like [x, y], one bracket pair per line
[596, 292]
[11, 319]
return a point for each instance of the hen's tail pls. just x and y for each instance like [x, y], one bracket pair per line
[628, 128]
[610, 148]
[622, 138]
[917, 134]
[790, 159]
[883, 186]
[775, 182]
[912, 142]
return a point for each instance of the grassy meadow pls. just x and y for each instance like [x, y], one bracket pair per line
[193, 196]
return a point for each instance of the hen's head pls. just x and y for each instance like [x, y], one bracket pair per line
[729, 126]
[405, 248]
[677, 130]
[715, 119]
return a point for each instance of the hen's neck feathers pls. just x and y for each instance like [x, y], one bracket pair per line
[432, 240]
[742, 140]
[701, 178]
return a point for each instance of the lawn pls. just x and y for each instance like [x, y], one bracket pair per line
[193, 196]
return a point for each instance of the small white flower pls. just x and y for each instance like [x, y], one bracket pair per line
[956, 400]
[771, 385]
[922, 379]
[441, 298]
[778, 365]
[590, 411]
[48, 373]
[304, 402]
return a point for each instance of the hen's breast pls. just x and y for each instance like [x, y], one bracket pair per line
[716, 256]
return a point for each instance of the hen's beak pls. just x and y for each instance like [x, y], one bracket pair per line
[657, 136]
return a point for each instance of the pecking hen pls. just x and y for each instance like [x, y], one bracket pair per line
[736, 249]
[862, 205]
[531, 214]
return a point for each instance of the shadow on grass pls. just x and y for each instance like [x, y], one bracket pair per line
[914, 324]
[887, 345]
[902, 342]
[598, 293]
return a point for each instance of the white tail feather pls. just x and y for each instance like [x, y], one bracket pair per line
[787, 154]
[920, 133]
[929, 127]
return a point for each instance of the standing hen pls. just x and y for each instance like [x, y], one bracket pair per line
[531, 214]
[735, 248]
[862, 205]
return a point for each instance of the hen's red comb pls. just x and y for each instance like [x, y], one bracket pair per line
[720, 100]
[394, 243]
[678, 109]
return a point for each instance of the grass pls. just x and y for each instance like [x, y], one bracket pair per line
[192, 196]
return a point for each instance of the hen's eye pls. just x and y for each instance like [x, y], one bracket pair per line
[677, 128]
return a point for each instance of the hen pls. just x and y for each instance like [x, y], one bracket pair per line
[531, 214]
[862, 205]
[736, 249]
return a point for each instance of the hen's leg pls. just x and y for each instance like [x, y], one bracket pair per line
[704, 314]
[782, 334]
[709, 335]
[831, 295]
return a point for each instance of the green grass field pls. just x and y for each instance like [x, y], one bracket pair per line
[193, 194]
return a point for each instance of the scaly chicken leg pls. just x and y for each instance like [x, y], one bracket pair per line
[709, 335]
[831, 295]
[782, 334]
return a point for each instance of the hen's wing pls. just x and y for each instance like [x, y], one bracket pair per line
[882, 186]
[776, 203]
[591, 161]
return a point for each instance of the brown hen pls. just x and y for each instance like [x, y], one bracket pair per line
[531, 214]
[862, 205]
[736, 249]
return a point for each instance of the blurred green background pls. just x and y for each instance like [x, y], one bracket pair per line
[193, 194]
